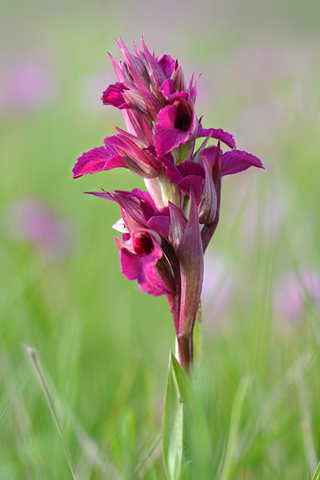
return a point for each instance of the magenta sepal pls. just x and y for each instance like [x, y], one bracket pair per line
[119, 151]
[237, 161]
[167, 64]
[100, 158]
[137, 207]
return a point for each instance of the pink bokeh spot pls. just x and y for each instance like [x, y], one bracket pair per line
[26, 85]
[35, 223]
[294, 292]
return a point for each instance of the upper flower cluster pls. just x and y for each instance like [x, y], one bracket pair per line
[167, 229]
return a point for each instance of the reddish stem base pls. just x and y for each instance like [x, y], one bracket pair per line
[185, 347]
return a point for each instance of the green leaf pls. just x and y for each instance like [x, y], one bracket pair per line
[316, 475]
[174, 431]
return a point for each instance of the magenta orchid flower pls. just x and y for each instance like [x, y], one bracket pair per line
[165, 230]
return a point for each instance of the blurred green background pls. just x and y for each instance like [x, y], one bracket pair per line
[103, 344]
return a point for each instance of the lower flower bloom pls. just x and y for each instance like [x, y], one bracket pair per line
[142, 259]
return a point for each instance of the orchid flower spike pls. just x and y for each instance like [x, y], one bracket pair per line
[166, 229]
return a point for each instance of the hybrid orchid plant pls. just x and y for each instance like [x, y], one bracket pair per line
[166, 229]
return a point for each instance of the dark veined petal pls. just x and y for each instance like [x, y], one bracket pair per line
[139, 161]
[133, 62]
[137, 207]
[152, 104]
[137, 125]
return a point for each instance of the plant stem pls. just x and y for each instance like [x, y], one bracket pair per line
[185, 348]
[190, 344]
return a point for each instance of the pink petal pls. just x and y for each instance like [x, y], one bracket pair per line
[96, 160]
[168, 91]
[210, 154]
[114, 96]
[237, 161]
[167, 64]
[219, 134]
[160, 224]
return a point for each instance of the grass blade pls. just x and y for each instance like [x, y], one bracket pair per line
[174, 434]
[316, 475]
[234, 428]
[33, 355]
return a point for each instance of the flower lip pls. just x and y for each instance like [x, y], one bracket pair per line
[183, 118]
[176, 124]
[142, 243]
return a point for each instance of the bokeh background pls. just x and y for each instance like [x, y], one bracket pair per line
[103, 345]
